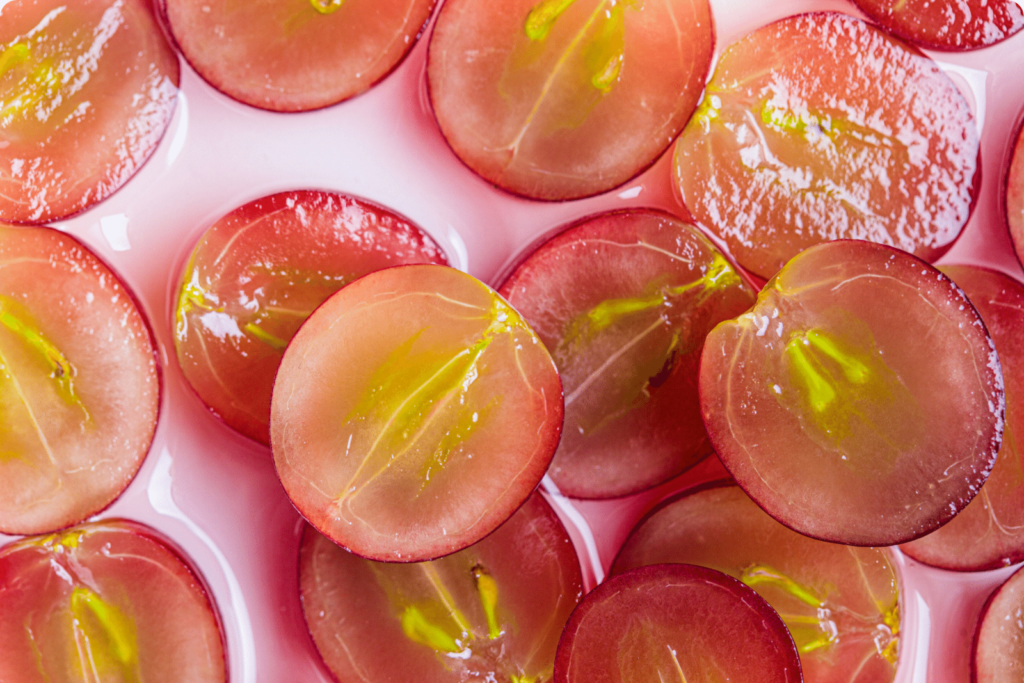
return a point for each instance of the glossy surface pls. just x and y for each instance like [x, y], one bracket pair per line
[107, 601]
[841, 604]
[413, 413]
[860, 400]
[675, 622]
[79, 383]
[948, 24]
[295, 55]
[559, 99]
[493, 611]
[989, 532]
[1014, 190]
[998, 655]
[821, 127]
[257, 274]
[87, 88]
[623, 301]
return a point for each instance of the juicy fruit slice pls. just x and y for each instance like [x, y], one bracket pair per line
[258, 273]
[623, 301]
[1014, 192]
[295, 55]
[106, 601]
[860, 401]
[948, 24]
[79, 383]
[841, 604]
[560, 99]
[493, 611]
[989, 532]
[775, 160]
[413, 413]
[998, 654]
[675, 622]
[87, 88]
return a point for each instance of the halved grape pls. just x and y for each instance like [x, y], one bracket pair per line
[841, 604]
[413, 413]
[87, 88]
[258, 273]
[860, 401]
[821, 127]
[491, 612]
[989, 532]
[560, 99]
[998, 653]
[295, 55]
[623, 302]
[948, 24]
[106, 601]
[1014, 191]
[675, 622]
[79, 382]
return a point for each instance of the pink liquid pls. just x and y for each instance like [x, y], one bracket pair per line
[217, 495]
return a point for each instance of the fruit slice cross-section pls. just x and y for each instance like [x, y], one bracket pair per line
[87, 88]
[258, 273]
[948, 24]
[106, 601]
[1014, 190]
[413, 413]
[841, 604]
[998, 653]
[679, 623]
[295, 55]
[561, 99]
[989, 532]
[860, 401]
[623, 301]
[79, 382]
[491, 612]
[821, 127]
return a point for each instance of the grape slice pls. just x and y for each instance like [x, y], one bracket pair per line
[841, 604]
[87, 88]
[998, 653]
[295, 55]
[561, 99]
[989, 532]
[1014, 191]
[675, 622]
[413, 413]
[860, 401]
[491, 612]
[106, 601]
[821, 127]
[947, 24]
[79, 382]
[623, 302]
[258, 273]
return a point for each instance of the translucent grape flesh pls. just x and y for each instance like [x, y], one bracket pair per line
[79, 382]
[860, 400]
[295, 55]
[106, 601]
[676, 623]
[258, 273]
[87, 89]
[821, 127]
[989, 532]
[493, 611]
[840, 603]
[413, 412]
[623, 301]
[560, 99]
